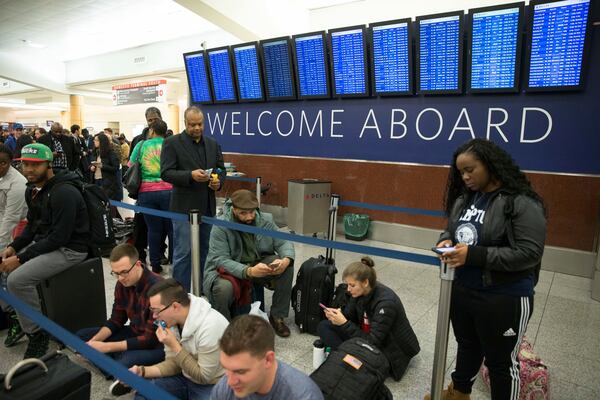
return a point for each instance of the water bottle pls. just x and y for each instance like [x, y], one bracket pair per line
[318, 353]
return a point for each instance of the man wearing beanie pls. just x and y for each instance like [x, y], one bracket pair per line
[237, 258]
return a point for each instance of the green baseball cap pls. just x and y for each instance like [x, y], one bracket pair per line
[36, 152]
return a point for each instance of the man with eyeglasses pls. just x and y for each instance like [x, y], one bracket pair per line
[136, 343]
[190, 330]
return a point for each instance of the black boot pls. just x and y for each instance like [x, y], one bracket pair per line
[39, 343]
[15, 333]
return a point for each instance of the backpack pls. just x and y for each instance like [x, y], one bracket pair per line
[102, 238]
[355, 371]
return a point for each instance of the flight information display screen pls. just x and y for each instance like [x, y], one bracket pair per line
[391, 61]
[195, 68]
[311, 65]
[221, 75]
[348, 58]
[440, 53]
[277, 65]
[247, 69]
[495, 48]
[558, 36]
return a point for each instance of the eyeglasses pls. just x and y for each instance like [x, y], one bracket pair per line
[122, 273]
[154, 312]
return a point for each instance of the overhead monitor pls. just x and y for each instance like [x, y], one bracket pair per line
[197, 77]
[221, 75]
[559, 35]
[248, 72]
[494, 48]
[349, 61]
[312, 72]
[277, 64]
[439, 53]
[391, 60]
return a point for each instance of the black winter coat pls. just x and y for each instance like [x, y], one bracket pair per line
[110, 167]
[390, 329]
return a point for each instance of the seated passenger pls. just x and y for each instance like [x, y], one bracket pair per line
[251, 369]
[235, 256]
[375, 313]
[192, 343]
[134, 343]
[55, 238]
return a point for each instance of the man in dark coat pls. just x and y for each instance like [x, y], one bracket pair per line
[64, 149]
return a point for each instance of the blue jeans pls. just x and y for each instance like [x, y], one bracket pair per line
[182, 260]
[158, 227]
[127, 358]
[182, 388]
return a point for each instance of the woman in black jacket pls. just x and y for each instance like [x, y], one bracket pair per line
[375, 313]
[104, 166]
[497, 223]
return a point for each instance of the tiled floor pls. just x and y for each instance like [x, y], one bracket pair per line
[564, 328]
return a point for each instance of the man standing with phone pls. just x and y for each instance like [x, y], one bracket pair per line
[235, 257]
[183, 163]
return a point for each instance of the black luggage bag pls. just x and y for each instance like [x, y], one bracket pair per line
[315, 282]
[53, 377]
[355, 371]
[75, 298]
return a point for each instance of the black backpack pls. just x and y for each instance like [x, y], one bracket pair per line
[355, 371]
[102, 237]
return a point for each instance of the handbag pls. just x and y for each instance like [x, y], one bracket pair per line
[51, 377]
[133, 177]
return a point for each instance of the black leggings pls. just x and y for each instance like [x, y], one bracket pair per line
[491, 326]
[330, 334]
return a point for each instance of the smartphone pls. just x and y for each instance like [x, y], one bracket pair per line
[323, 306]
[161, 323]
[274, 265]
[442, 250]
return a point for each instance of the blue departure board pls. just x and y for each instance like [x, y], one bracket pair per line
[348, 58]
[440, 53]
[558, 36]
[311, 65]
[277, 64]
[495, 48]
[247, 70]
[391, 61]
[222, 78]
[195, 68]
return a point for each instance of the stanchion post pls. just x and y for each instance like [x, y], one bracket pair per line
[441, 336]
[334, 206]
[195, 221]
[258, 188]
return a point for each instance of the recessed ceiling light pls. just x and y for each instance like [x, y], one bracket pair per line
[33, 44]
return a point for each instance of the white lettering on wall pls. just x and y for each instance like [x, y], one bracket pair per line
[401, 123]
[304, 120]
[248, 133]
[334, 122]
[469, 127]
[548, 116]
[258, 121]
[439, 129]
[496, 125]
[217, 120]
[286, 112]
[234, 114]
[367, 126]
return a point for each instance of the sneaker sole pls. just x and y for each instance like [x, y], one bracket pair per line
[116, 389]
[14, 341]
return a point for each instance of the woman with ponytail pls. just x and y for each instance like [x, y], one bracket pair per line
[375, 313]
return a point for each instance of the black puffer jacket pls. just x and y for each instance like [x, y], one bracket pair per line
[390, 329]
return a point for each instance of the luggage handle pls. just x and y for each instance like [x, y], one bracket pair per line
[19, 365]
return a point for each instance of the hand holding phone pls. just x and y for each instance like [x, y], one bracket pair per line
[443, 250]
[323, 306]
[160, 323]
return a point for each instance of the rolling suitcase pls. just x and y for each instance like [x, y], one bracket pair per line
[315, 282]
[75, 298]
[53, 377]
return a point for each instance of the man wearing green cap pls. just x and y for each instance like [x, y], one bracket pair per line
[56, 237]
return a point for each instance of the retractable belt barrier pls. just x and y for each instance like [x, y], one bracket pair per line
[382, 207]
[99, 359]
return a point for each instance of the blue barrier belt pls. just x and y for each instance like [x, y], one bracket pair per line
[239, 178]
[356, 248]
[99, 359]
[381, 207]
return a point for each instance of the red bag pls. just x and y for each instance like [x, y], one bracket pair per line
[533, 373]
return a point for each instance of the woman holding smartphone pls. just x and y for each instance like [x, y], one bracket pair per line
[497, 223]
[104, 168]
[375, 313]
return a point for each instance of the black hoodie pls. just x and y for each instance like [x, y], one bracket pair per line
[57, 217]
